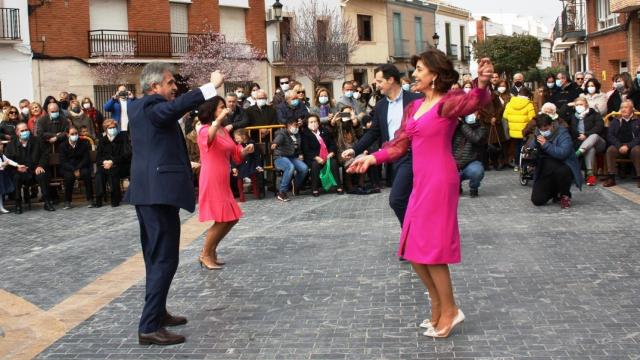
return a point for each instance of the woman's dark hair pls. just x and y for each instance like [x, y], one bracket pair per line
[550, 76]
[626, 78]
[47, 100]
[305, 122]
[438, 63]
[543, 119]
[524, 91]
[207, 111]
[255, 85]
[388, 71]
[595, 83]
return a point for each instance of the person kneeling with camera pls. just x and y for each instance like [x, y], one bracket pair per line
[468, 144]
[557, 164]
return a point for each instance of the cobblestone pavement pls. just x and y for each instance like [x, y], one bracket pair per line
[317, 278]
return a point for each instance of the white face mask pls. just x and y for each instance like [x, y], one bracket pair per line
[466, 90]
[86, 106]
[293, 130]
[261, 102]
[254, 94]
[580, 109]
[25, 111]
[356, 95]
[502, 89]
[284, 87]
[591, 90]
[348, 94]
[240, 94]
[323, 99]
[314, 126]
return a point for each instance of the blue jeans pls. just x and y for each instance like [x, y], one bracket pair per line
[288, 165]
[474, 172]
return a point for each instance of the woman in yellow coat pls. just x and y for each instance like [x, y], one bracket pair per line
[519, 112]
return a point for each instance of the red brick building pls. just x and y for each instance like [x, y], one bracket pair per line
[67, 36]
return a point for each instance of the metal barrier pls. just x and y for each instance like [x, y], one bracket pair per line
[265, 137]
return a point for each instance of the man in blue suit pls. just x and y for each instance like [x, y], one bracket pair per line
[118, 106]
[387, 117]
[160, 185]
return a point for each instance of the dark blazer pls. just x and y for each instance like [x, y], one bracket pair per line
[118, 151]
[612, 133]
[77, 158]
[261, 116]
[238, 119]
[311, 145]
[34, 155]
[379, 130]
[593, 124]
[160, 168]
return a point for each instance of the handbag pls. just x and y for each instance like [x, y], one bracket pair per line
[326, 176]
[494, 149]
[505, 127]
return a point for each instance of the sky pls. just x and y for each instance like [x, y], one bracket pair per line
[547, 10]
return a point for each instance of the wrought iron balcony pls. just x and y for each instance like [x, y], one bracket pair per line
[310, 52]
[10, 24]
[137, 43]
[452, 51]
[401, 48]
[571, 23]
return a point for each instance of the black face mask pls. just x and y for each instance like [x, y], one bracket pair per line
[518, 84]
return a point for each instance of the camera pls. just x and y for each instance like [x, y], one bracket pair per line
[123, 94]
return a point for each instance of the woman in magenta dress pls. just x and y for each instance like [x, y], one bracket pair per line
[430, 237]
[216, 201]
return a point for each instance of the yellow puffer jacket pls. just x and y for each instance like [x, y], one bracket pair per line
[519, 112]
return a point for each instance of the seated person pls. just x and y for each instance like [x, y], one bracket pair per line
[324, 106]
[468, 145]
[251, 168]
[557, 165]
[33, 162]
[288, 157]
[75, 163]
[293, 108]
[52, 128]
[318, 146]
[6, 177]
[113, 160]
[347, 131]
[84, 134]
[623, 137]
[79, 119]
[587, 131]
[261, 114]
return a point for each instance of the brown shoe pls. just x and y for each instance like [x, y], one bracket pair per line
[609, 182]
[160, 337]
[170, 320]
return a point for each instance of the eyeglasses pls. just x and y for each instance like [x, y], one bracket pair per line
[579, 78]
[283, 82]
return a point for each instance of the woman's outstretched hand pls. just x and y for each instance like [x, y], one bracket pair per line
[361, 164]
[485, 70]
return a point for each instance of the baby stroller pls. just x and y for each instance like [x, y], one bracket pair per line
[528, 162]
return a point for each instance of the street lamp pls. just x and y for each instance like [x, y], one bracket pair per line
[277, 10]
[436, 39]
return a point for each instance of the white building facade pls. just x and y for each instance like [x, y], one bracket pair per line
[452, 26]
[15, 52]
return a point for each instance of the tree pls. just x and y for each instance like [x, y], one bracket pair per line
[210, 51]
[113, 70]
[510, 54]
[322, 42]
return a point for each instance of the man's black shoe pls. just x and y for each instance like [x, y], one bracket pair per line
[473, 193]
[170, 320]
[49, 206]
[160, 337]
[18, 209]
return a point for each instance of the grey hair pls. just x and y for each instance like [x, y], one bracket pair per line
[551, 107]
[154, 73]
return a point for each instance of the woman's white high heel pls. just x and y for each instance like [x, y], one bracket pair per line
[435, 334]
[426, 324]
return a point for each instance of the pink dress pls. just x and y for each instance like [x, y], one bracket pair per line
[216, 201]
[430, 233]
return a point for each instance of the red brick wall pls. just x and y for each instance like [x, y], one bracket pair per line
[634, 42]
[480, 30]
[65, 26]
[255, 27]
[202, 13]
[149, 15]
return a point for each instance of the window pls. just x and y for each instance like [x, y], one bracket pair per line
[420, 45]
[323, 30]
[397, 35]
[179, 16]
[364, 28]
[232, 23]
[465, 56]
[605, 17]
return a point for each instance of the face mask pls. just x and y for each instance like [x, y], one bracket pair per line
[591, 90]
[638, 77]
[466, 90]
[240, 95]
[73, 138]
[293, 130]
[254, 94]
[261, 102]
[558, 83]
[24, 135]
[25, 111]
[406, 87]
[112, 132]
[356, 95]
[553, 116]
[470, 119]
[580, 109]
[76, 109]
[323, 99]
[551, 85]
[348, 94]
[518, 83]
[545, 133]
[314, 126]
[502, 89]
[619, 86]
[295, 102]
[284, 87]
[86, 106]
[54, 115]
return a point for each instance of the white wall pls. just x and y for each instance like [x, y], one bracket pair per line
[15, 59]
[454, 33]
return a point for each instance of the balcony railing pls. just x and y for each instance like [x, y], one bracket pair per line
[310, 52]
[9, 24]
[452, 51]
[137, 43]
[571, 23]
[401, 48]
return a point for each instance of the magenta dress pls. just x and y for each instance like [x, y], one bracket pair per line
[430, 233]
[216, 201]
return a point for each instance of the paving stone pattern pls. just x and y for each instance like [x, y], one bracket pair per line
[317, 278]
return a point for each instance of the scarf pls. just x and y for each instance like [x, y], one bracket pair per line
[324, 153]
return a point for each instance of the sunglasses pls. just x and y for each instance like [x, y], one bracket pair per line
[283, 82]
[301, 92]
[579, 78]
[13, 113]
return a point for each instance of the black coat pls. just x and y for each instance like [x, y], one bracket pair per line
[238, 119]
[8, 128]
[118, 151]
[249, 163]
[262, 116]
[311, 145]
[75, 158]
[563, 97]
[47, 128]
[593, 124]
[33, 155]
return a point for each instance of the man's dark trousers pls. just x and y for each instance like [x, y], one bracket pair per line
[160, 237]
[402, 186]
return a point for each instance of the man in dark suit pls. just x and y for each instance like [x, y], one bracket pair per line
[161, 184]
[387, 117]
